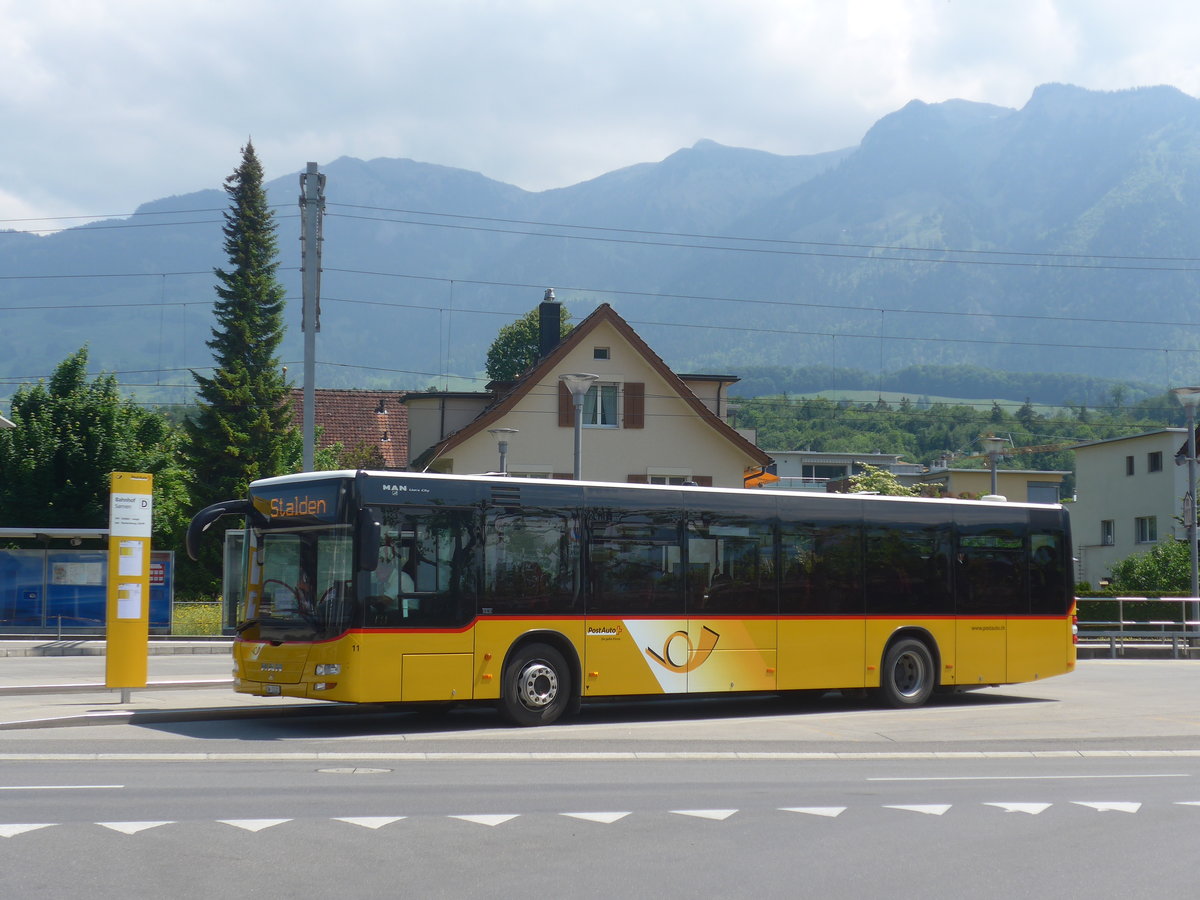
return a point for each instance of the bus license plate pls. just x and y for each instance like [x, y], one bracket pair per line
[272, 690]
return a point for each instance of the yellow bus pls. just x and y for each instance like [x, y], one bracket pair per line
[538, 594]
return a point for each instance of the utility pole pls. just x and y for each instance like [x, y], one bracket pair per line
[312, 208]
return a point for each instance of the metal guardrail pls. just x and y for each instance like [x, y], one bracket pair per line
[1182, 633]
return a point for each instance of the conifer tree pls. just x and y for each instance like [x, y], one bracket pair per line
[242, 429]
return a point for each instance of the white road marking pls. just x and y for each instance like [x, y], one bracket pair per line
[61, 787]
[728, 755]
[8, 830]
[604, 818]
[1110, 807]
[1032, 808]
[13, 830]
[1024, 777]
[491, 821]
[253, 824]
[370, 821]
[132, 827]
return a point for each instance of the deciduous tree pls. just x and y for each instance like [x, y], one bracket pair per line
[71, 434]
[516, 346]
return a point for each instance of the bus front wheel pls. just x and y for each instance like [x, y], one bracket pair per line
[537, 685]
[907, 677]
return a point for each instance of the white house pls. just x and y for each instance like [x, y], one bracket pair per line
[1129, 496]
[642, 422]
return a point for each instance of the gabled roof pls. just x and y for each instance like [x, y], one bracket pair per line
[4, 423]
[355, 418]
[547, 365]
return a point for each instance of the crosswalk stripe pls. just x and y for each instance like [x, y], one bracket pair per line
[719, 815]
[132, 827]
[830, 811]
[930, 809]
[604, 818]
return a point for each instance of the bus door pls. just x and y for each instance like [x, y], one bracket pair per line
[732, 600]
[636, 639]
[990, 585]
[419, 601]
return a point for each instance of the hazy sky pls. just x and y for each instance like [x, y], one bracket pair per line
[106, 104]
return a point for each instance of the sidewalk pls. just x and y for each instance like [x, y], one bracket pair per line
[50, 683]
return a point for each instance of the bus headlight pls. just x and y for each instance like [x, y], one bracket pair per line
[329, 669]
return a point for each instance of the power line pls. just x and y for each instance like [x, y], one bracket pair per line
[792, 252]
[728, 237]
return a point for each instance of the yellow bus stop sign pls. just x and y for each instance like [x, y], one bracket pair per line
[131, 506]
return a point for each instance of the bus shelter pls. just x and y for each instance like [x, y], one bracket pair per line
[62, 586]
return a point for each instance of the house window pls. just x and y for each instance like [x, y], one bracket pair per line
[600, 353]
[1129, 465]
[669, 479]
[1154, 461]
[600, 406]
[1147, 529]
[1108, 534]
[1042, 492]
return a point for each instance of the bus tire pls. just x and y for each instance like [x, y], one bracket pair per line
[537, 685]
[907, 676]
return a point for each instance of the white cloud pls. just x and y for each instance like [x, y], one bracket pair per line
[125, 101]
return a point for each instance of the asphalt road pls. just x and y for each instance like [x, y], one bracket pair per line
[1087, 785]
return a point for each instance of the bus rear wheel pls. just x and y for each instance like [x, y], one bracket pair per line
[907, 676]
[537, 686]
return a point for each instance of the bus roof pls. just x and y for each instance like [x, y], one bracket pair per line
[350, 474]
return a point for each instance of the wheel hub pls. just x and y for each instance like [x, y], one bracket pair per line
[537, 686]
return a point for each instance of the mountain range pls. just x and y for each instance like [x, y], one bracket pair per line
[1061, 237]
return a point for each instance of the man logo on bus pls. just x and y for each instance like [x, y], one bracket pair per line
[678, 655]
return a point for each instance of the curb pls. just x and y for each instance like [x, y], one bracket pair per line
[206, 714]
[99, 648]
[19, 690]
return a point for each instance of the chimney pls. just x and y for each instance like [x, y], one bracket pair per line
[549, 312]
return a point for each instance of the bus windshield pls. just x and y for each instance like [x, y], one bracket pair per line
[305, 576]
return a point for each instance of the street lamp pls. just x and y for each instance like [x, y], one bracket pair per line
[993, 447]
[501, 436]
[1189, 397]
[578, 383]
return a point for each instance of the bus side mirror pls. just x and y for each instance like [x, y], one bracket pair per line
[370, 533]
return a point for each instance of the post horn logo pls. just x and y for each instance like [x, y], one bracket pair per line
[678, 644]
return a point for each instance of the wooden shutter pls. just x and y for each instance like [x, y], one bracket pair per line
[635, 404]
[703, 480]
[566, 409]
[638, 479]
